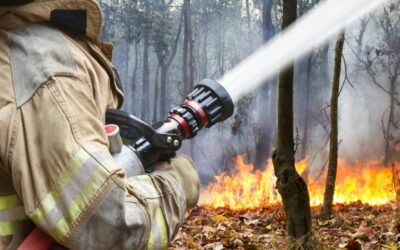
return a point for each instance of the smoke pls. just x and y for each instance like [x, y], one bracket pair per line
[296, 41]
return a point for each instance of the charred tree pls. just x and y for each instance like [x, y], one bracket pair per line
[290, 185]
[333, 145]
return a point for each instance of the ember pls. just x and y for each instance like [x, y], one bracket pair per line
[246, 188]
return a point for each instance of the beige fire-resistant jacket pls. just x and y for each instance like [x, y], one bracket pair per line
[56, 173]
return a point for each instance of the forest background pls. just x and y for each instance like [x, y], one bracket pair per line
[164, 47]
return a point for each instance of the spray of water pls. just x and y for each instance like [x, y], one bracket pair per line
[296, 41]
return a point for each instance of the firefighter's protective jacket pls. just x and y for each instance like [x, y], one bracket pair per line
[56, 171]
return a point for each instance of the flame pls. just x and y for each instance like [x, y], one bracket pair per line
[246, 188]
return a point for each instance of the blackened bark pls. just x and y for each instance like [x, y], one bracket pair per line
[333, 145]
[290, 185]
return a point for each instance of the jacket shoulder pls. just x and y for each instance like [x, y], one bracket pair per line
[37, 53]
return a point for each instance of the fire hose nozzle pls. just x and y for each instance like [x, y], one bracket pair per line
[208, 104]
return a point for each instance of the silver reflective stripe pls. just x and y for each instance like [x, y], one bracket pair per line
[38, 52]
[73, 190]
[126, 225]
[12, 214]
[159, 234]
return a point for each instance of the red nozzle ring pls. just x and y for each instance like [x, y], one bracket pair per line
[200, 114]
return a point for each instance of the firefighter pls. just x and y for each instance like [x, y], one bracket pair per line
[56, 172]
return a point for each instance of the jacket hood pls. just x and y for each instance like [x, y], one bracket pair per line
[81, 16]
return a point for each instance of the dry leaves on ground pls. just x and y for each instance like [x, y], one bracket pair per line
[354, 226]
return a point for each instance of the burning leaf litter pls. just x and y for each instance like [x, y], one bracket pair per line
[354, 226]
[246, 188]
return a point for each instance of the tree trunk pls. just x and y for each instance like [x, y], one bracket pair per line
[264, 120]
[191, 48]
[390, 124]
[127, 59]
[157, 106]
[186, 67]
[333, 145]
[249, 36]
[205, 43]
[133, 82]
[290, 185]
[163, 91]
[306, 89]
[145, 78]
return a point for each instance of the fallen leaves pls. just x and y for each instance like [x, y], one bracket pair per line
[353, 227]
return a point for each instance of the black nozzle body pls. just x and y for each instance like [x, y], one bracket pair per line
[208, 104]
[214, 99]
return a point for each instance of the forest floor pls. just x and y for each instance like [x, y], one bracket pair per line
[354, 226]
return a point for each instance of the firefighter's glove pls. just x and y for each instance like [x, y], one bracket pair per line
[184, 170]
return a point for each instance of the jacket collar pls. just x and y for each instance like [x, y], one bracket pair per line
[42, 11]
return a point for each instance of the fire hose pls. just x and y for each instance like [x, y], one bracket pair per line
[209, 103]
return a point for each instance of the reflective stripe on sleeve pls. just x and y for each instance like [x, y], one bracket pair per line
[11, 213]
[74, 191]
[158, 235]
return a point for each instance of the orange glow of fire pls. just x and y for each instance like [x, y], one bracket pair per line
[246, 188]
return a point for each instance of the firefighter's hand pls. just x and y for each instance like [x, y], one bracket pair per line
[162, 165]
[166, 156]
[184, 169]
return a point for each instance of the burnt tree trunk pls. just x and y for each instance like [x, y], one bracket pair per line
[333, 144]
[290, 185]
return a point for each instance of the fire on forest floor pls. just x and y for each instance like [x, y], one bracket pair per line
[354, 226]
[245, 188]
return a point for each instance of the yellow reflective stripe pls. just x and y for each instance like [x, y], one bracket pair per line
[162, 226]
[50, 201]
[75, 188]
[7, 228]
[158, 235]
[11, 213]
[74, 210]
[10, 201]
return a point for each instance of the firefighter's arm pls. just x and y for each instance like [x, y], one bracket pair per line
[75, 191]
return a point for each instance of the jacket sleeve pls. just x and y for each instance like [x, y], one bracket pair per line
[75, 191]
